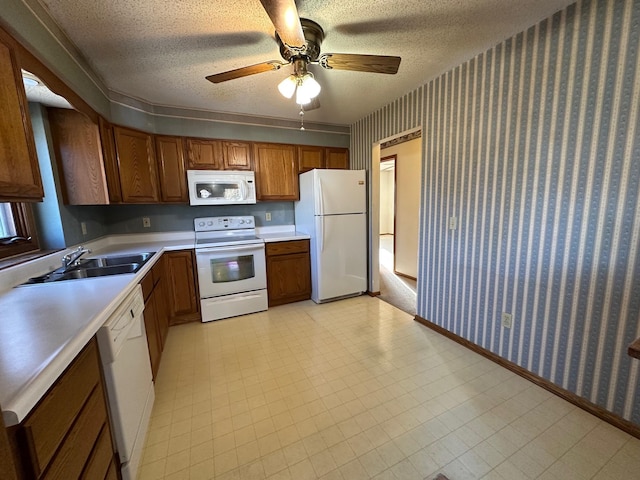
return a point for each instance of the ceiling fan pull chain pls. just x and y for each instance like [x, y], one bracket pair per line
[301, 118]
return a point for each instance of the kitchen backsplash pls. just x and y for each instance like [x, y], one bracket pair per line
[119, 219]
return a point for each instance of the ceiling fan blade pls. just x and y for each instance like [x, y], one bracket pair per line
[312, 105]
[360, 63]
[284, 16]
[246, 71]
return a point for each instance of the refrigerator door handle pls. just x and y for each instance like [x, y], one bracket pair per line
[320, 198]
[321, 236]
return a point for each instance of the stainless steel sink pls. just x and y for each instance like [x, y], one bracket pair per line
[138, 258]
[80, 272]
[95, 267]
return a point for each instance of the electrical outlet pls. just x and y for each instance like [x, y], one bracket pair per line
[453, 223]
[507, 320]
[267, 216]
[146, 222]
[83, 225]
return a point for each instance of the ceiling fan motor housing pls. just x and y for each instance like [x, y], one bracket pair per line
[313, 34]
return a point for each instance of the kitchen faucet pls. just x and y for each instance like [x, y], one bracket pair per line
[72, 258]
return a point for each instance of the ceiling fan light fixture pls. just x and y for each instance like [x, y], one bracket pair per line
[309, 86]
[301, 98]
[287, 87]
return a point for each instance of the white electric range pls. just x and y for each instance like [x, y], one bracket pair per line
[231, 267]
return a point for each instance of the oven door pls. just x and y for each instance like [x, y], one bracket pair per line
[231, 269]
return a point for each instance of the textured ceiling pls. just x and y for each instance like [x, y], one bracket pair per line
[161, 51]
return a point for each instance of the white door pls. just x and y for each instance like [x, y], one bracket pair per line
[340, 192]
[340, 256]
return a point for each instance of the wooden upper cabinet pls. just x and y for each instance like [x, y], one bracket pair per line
[237, 155]
[110, 161]
[204, 154]
[19, 172]
[276, 167]
[310, 157]
[137, 166]
[337, 158]
[78, 151]
[173, 180]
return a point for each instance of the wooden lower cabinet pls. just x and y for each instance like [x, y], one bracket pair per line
[182, 286]
[156, 313]
[67, 434]
[288, 271]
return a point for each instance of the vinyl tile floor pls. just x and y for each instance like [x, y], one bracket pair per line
[356, 389]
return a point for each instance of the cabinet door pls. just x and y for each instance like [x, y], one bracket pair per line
[162, 304]
[288, 272]
[237, 156]
[173, 179]
[110, 161]
[310, 157]
[78, 151]
[184, 299]
[204, 154]
[276, 168]
[153, 336]
[337, 158]
[19, 172]
[137, 165]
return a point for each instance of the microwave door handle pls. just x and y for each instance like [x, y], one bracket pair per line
[241, 248]
[245, 190]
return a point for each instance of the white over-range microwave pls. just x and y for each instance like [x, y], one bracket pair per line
[221, 187]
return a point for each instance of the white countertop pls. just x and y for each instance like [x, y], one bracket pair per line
[45, 326]
[280, 233]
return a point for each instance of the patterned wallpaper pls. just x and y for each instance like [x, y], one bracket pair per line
[534, 146]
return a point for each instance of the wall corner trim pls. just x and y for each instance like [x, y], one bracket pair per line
[605, 415]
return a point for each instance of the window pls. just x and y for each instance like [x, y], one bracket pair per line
[17, 231]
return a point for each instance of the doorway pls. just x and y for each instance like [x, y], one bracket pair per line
[400, 173]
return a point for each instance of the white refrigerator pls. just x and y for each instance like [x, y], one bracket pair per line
[332, 210]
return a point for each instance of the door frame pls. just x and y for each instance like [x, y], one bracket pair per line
[374, 211]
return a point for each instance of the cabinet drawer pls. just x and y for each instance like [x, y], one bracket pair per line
[70, 460]
[285, 248]
[49, 422]
[101, 457]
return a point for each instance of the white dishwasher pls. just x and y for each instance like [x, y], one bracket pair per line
[125, 359]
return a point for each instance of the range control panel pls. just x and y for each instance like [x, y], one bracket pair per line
[210, 224]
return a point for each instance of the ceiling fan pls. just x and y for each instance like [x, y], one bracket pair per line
[299, 40]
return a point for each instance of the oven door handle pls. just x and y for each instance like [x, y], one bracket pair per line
[240, 248]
